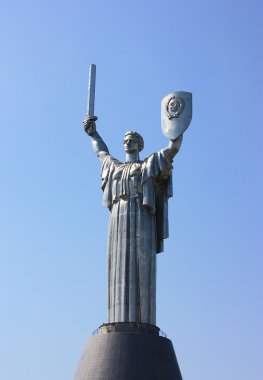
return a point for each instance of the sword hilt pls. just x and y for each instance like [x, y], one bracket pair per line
[88, 122]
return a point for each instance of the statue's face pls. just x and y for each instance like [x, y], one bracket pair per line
[130, 144]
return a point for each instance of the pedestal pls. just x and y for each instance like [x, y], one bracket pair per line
[128, 351]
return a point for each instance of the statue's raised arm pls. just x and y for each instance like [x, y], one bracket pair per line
[99, 146]
[173, 146]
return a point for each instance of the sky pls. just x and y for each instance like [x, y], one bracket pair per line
[53, 226]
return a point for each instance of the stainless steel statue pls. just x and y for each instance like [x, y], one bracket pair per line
[136, 193]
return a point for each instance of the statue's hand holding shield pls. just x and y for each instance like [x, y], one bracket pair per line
[176, 113]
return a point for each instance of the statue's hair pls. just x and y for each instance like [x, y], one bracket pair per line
[137, 137]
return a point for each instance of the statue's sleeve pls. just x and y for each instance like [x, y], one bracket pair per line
[108, 166]
[157, 189]
[158, 167]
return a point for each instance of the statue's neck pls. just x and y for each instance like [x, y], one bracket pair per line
[132, 157]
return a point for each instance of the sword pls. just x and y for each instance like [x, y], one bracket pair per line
[91, 93]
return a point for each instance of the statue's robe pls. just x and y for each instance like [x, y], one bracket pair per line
[136, 195]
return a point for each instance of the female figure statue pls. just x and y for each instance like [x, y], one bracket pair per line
[136, 193]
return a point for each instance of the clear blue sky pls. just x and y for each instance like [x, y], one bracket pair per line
[53, 226]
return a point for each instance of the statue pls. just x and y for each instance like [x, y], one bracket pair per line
[136, 193]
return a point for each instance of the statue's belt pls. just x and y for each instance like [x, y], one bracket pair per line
[125, 197]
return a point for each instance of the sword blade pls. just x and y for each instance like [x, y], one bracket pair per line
[91, 90]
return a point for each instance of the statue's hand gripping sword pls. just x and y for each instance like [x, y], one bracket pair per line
[90, 118]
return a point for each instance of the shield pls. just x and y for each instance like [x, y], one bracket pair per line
[176, 113]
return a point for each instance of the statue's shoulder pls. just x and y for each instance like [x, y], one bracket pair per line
[110, 161]
[149, 159]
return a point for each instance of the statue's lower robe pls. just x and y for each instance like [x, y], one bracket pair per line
[131, 263]
[136, 194]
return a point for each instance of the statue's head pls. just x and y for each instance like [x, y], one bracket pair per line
[133, 142]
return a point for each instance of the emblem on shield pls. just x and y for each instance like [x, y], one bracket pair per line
[176, 113]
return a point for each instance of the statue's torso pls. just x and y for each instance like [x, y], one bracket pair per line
[126, 181]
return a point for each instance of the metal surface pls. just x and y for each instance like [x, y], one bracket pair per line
[91, 90]
[176, 113]
[137, 224]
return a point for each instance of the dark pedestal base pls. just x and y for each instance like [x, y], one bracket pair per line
[126, 355]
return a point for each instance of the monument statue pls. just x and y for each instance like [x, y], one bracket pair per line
[136, 193]
[130, 346]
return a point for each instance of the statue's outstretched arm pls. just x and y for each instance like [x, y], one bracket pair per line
[98, 145]
[174, 146]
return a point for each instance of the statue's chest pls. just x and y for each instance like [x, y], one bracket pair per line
[127, 171]
[126, 181]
